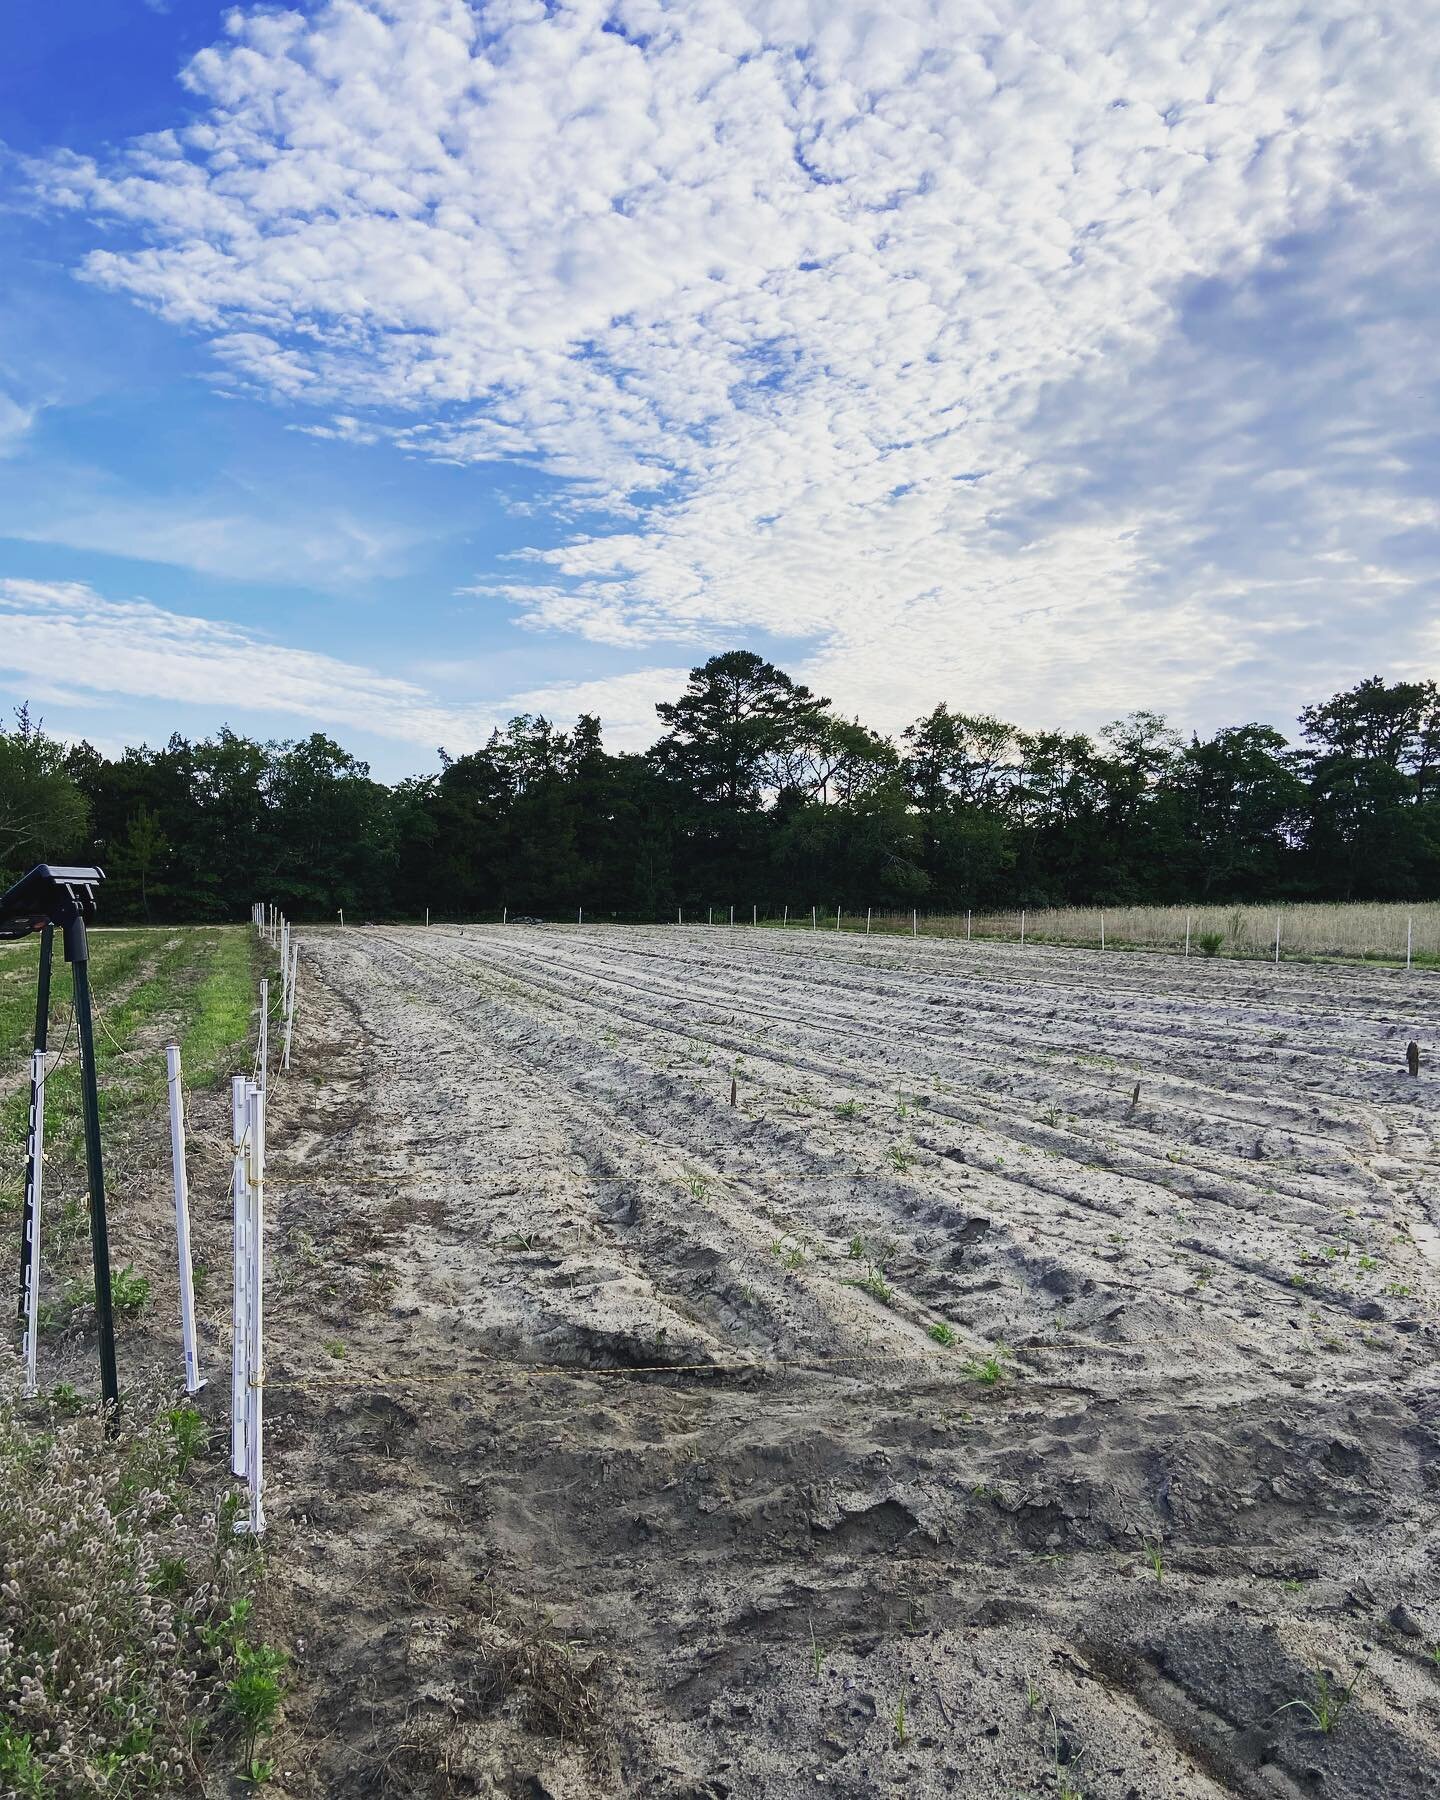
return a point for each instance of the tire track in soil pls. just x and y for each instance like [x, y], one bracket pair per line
[760, 1565]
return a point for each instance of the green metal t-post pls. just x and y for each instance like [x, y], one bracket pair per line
[77, 954]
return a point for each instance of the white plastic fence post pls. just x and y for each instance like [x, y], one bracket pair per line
[239, 1322]
[504, 915]
[837, 918]
[732, 914]
[814, 922]
[709, 915]
[264, 1029]
[914, 921]
[193, 1383]
[36, 1169]
[427, 917]
[787, 918]
[867, 921]
[967, 926]
[290, 1015]
[679, 915]
[1102, 931]
[754, 914]
[342, 918]
[255, 1345]
[580, 916]
[1409, 936]
[1187, 934]
[1022, 927]
[1277, 937]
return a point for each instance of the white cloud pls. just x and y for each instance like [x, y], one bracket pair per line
[789, 285]
[69, 645]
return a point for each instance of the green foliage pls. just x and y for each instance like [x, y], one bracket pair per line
[1208, 942]
[757, 791]
[943, 1334]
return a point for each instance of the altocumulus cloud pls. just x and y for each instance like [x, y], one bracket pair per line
[922, 331]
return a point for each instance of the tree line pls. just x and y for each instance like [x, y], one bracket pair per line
[756, 792]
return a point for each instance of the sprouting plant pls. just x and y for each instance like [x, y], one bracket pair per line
[698, 1183]
[901, 1159]
[64, 1398]
[794, 1258]
[902, 1110]
[847, 1109]
[876, 1287]
[1368, 1263]
[253, 1698]
[857, 1249]
[1327, 1707]
[334, 1347]
[1398, 1289]
[187, 1428]
[1033, 1696]
[1209, 942]
[1063, 1764]
[902, 1735]
[943, 1333]
[1293, 1585]
[989, 1370]
[1155, 1556]
[23, 1772]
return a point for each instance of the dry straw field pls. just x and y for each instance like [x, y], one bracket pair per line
[1367, 931]
[739, 1363]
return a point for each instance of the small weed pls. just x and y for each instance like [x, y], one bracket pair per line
[901, 1159]
[848, 1109]
[1064, 1763]
[1033, 1696]
[1398, 1289]
[902, 1734]
[1293, 1585]
[333, 1347]
[857, 1249]
[942, 1333]
[253, 1697]
[1327, 1707]
[1209, 942]
[187, 1428]
[876, 1287]
[989, 1370]
[698, 1183]
[1155, 1556]
[64, 1398]
[1367, 1263]
[817, 1655]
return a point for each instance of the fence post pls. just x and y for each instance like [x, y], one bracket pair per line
[580, 916]
[31, 1245]
[814, 924]
[1102, 930]
[1277, 937]
[754, 914]
[504, 915]
[709, 915]
[1187, 934]
[867, 921]
[290, 1015]
[732, 912]
[264, 1028]
[342, 917]
[255, 1343]
[239, 1322]
[1409, 936]
[967, 925]
[837, 918]
[1022, 927]
[787, 918]
[914, 921]
[193, 1383]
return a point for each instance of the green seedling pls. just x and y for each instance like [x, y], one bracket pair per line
[989, 1370]
[902, 1735]
[1327, 1707]
[333, 1347]
[901, 1159]
[942, 1333]
[187, 1428]
[847, 1109]
[857, 1249]
[1155, 1556]
[876, 1287]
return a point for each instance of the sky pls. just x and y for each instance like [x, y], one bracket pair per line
[388, 367]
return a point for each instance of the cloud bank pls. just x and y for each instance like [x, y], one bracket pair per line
[955, 337]
[62, 640]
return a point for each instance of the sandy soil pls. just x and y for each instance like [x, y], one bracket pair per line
[611, 1453]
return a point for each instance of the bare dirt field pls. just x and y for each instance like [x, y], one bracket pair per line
[1027, 1386]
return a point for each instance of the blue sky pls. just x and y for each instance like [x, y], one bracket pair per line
[389, 367]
